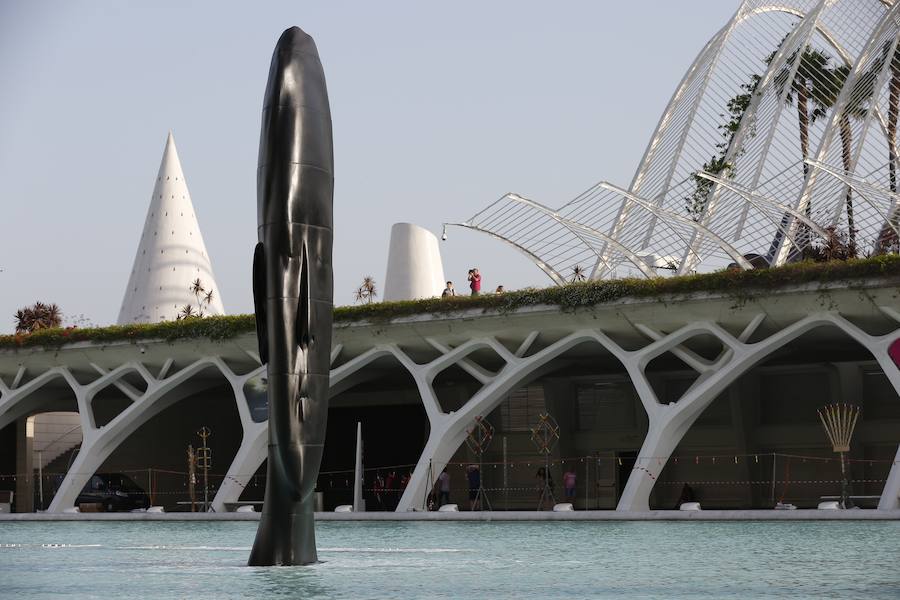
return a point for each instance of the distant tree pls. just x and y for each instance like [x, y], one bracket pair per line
[578, 273]
[856, 108]
[204, 300]
[836, 245]
[366, 292]
[811, 86]
[38, 316]
[887, 238]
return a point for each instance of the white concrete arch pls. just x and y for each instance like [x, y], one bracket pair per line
[100, 442]
[669, 423]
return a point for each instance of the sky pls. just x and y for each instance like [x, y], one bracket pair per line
[438, 109]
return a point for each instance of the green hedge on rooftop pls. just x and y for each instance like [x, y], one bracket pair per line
[736, 283]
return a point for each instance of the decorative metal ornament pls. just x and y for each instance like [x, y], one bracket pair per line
[545, 434]
[293, 293]
[839, 421]
[479, 437]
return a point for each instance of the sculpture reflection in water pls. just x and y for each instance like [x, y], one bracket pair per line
[292, 293]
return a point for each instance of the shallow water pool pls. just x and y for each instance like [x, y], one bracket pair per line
[646, 560]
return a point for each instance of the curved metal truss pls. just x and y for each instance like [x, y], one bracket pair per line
[781, 133]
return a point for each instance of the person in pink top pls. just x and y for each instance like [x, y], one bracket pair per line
[569, 478]
[475, 281]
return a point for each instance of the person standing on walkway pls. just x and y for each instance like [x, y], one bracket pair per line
[443, 485]
[473, 474]
[569, 478]
[475, 281]
[448, 291]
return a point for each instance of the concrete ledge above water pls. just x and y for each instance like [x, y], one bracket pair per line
[585, 515]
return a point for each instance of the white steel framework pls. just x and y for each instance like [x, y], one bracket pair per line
[788, 114]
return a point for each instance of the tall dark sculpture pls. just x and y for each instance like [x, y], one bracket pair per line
[292, 293]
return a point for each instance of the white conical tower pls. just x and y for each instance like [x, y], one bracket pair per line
[171, 254]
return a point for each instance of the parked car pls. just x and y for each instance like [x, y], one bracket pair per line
[114, 491]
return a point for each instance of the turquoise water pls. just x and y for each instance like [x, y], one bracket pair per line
[647, 560]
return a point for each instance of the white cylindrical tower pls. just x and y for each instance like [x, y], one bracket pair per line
[414, 268]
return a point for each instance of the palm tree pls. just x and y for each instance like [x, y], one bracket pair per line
[38, 316]
[204, 300]
[812, 90]
[856, 108]
[197, 287]
[366, 292]
[887, 237]
[578, 273]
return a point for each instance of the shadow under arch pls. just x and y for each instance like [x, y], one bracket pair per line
[163, 473]
[760, 440]
[383, 397]
[587, 391]
[100, 443]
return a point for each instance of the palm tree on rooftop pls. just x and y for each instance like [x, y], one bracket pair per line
[811, 88]
[855, 108]
[887, 237]
[367, 291]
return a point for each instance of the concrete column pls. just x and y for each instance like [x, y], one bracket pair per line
[890, 496]
[24, 499]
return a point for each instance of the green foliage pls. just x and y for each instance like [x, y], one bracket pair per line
[732, 282]
[695, 204]
[38, 316]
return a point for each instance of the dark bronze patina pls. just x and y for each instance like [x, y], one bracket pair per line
[292, 293]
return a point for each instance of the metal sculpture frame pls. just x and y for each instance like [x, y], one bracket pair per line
[545, 435]
[478, 439]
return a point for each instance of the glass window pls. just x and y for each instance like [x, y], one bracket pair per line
[520, 410]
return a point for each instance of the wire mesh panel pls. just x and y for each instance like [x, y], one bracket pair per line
[533, 230]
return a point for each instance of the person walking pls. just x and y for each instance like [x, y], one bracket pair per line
[448, 291]
[569, 478]
[443, 485]
[392, 485]
[475, 281]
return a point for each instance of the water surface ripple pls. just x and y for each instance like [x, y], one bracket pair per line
[411, 560]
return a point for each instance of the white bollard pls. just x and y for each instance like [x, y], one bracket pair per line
[829, 505]
[449, 508]
[563, 507]
[690, 506]
[344, 508]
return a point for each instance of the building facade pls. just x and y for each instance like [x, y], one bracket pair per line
[714, 395]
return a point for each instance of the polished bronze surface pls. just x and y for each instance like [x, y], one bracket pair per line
[292, 293]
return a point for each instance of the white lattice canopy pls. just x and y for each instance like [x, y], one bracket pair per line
[781, 137]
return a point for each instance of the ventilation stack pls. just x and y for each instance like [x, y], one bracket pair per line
[171, 255]
[414, 267]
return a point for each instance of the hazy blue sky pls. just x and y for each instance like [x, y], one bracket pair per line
[438, 108]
